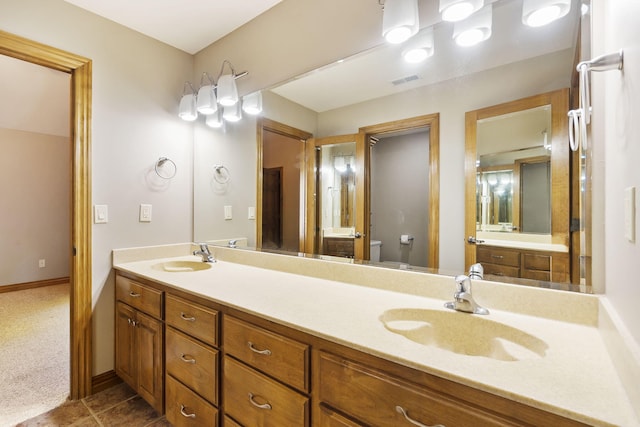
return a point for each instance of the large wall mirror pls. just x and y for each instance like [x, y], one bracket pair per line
[376, 87]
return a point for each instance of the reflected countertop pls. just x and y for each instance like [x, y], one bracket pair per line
[576, 378]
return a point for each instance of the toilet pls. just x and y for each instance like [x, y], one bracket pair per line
[374, 252]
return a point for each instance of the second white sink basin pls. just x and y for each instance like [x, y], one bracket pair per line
[181, 266]
[464, 333]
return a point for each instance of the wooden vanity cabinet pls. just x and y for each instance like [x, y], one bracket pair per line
[140, 339]
[524, 263]
[338, 246]
[192, 363]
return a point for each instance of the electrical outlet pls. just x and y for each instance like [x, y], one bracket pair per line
[42, 263]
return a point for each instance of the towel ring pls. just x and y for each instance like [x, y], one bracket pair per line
[171, 170]
[221, 174]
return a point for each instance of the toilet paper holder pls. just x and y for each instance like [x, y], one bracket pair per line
[406, 239]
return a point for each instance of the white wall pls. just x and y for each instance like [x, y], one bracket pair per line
[616, 138]
[137, 83]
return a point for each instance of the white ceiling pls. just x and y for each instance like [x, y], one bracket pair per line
[187, 25]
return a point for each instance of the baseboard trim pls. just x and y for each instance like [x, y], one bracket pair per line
[104, 381]
[31, 285]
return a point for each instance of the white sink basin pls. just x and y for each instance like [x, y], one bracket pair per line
[181, 266]
[464, 333]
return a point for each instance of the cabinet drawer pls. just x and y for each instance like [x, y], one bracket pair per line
[187, 409]
[275, 355]
[228, 422]
[139, 296]
[254, 399]
[194, 319]
[378, 399]
[501, 270]
[494, 255]
[532, 261]
[330, 418]
[193, 363]
[544, 276]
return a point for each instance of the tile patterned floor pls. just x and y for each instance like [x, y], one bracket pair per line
[117, 406]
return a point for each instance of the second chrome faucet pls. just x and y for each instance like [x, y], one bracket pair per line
[463, 299]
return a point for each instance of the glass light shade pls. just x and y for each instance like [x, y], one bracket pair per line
[215, 120]
[536, 13]
[207, 102]
[399, 20]
[227, 90]
[457, 10]
[232, 113]
[420, 47]
[252, 103]
[475, 29]
[187, 110]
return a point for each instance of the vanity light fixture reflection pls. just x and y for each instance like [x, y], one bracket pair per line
[475, 29]
[232, 113]
[457, 10]
[419, 47]
[215, 120]
[399, 20]
[536, 13]
[252, 103]
[187, 110]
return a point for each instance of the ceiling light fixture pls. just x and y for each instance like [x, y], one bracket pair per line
[207, 102]
[536, 13]
[420, 47]
[399, 20]
[457, 10]
[252, 103]
[475, 29]
[187, 110]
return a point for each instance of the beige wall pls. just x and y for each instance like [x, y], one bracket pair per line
[137, 83]
[34, 183]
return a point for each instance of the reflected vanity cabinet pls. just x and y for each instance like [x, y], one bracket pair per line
[524, 263]
[139, 339]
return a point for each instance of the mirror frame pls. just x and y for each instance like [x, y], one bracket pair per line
[560, 176]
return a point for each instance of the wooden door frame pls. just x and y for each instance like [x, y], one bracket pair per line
[80, 69]
[263, 124]
[432, 122]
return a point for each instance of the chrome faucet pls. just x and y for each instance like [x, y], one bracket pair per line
[233, 243]
[462, 298]
[476, 271]
[204, 253]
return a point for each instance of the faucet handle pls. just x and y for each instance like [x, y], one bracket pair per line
[204, 247]
[463, 283]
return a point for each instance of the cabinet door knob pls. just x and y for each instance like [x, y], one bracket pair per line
[258, 405]
[266, 352]
[401, 410]
[184, 413]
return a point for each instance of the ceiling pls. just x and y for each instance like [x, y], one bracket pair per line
[187, 25]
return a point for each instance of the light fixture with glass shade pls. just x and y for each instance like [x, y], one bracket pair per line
[536, 13]
[187, 110]
[227, 89]
[475, 29]
[207, 102]
[457, 10]
[420, 47]
[232, 113]
[399, 20]
[215, 120]
[252, 103]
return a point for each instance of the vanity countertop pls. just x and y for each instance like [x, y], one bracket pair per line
[576, 378]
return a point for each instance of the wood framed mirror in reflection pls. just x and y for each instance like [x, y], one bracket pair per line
[351, 97]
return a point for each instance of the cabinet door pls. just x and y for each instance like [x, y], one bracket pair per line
[125, 342]
[149, 341]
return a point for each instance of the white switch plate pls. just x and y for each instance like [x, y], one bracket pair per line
[145, 213]
[228, 213]
[630, 214]
[42, 263]
[100, 214]
[252, 212]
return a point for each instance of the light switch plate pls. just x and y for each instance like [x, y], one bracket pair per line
[228, 212]
[145, 213]
[252, 213]
[100, 214]
[630, 214]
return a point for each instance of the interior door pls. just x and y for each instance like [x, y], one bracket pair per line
[337, 210]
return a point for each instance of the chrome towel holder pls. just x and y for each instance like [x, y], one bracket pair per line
[221, 174]
[164, 171]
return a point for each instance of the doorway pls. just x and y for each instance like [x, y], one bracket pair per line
[80, 251]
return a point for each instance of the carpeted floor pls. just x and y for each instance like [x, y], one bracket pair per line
[34, 352]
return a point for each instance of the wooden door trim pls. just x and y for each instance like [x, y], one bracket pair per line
[80, 69]
[432, 121]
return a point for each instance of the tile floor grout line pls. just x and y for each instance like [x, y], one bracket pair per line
[92, 413]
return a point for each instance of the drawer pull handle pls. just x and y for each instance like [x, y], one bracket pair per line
[498, 274]
[187, 318]
[401, 410]
[266, 352]
[134, 295]
[258, 405]
[187, 359]
[184, 414]
[497, 256]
